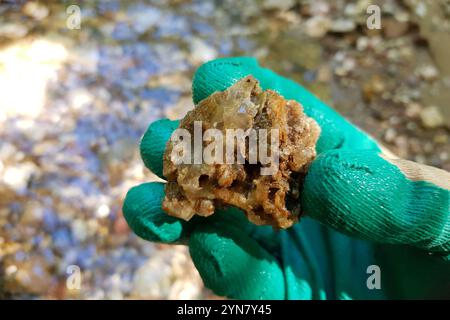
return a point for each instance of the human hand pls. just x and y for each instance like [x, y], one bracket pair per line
[400, 210]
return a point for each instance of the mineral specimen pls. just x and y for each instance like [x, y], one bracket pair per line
[243, 147]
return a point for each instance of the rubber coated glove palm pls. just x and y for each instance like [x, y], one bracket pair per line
[366, 216]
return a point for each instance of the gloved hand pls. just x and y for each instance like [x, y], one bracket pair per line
[375, 227]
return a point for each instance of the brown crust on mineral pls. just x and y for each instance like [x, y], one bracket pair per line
[201, 188]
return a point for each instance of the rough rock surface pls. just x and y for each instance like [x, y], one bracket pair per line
[201, 188]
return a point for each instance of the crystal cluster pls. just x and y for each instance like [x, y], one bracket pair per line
[198, 188]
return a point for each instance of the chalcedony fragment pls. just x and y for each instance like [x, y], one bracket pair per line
[265, 184]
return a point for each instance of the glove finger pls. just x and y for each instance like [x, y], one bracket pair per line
[143, 213]
[361, 194]
[153, 144]
[266, 236]
[233, 264]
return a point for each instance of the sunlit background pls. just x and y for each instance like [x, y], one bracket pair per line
[75, 100]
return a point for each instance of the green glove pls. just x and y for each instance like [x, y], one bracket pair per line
[376, 228]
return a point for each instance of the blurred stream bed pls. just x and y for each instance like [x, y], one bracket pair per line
[74, 104]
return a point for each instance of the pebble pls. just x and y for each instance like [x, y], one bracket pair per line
[342, 26]
[413, 110]
[278, 4]
[431, 117]
[103, 211]
[13, 30]
[393, 28]
[362, 43]
[441, 138]
[421, 9]
[80, 230]
[142, 17]
[373, 88]
[17, 177]
[33, 212]
[201, 51]
[319, 8]
[390, 135]
[36, 10]
[324, 74]
[428, 72]
[317, 26]
[346, 67]
[351, 9]
[151, 280]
